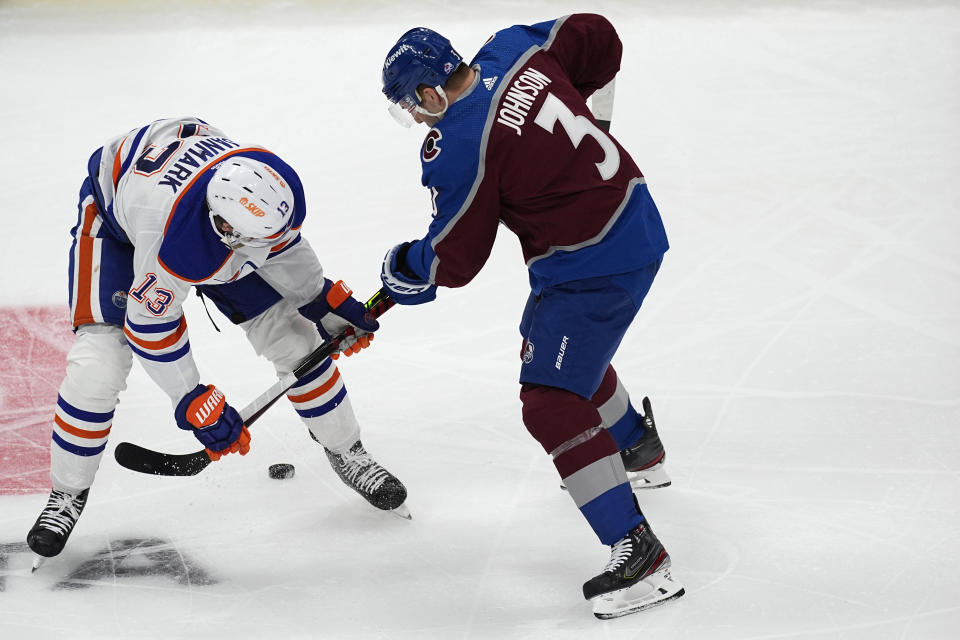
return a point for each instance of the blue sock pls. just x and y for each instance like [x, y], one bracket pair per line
[628, 428]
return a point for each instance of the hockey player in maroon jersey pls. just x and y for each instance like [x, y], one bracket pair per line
[166, 207]
[513, 142]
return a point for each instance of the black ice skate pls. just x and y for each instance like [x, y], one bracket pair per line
[363, 474]
[644, 459]
[636, 578]
[51, 530]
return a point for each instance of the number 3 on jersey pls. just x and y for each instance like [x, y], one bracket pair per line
[553, 111]
[156, 304]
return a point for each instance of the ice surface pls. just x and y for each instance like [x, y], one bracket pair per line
[801, 343]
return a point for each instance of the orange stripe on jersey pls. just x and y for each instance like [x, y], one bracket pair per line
[89, 215]
[186, 279]
[277, 247]
[83, 308]
[159, 344]
[117, 164]
[81, 433]
[326, 386]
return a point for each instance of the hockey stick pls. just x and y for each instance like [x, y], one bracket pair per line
[601, 104]
[142, 460]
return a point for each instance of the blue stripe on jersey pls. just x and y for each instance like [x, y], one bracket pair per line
[80, 414]
[163, 357]
[93, 170]
[132, 154]
[77, 449]
[313, 375]
[163, 327]
[242, 299]
[326, 407]
[108, 220]
[619, 251]
[289, 244]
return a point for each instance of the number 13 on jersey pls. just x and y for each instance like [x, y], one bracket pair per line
[158, 302]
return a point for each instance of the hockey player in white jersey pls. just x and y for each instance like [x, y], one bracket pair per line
[173, 205]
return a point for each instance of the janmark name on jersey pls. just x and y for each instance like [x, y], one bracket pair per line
[516, 102]
[196, 155]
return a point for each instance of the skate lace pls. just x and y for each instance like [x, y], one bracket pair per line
[619, 553]
[362, 471]
[61, 513]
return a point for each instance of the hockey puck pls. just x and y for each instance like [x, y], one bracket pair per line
[281, 471]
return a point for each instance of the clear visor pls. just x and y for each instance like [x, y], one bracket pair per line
[403, 110]
[234, 239]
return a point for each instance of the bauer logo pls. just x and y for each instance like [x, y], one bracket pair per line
[252, 208]
[563, 351]
[275, 176]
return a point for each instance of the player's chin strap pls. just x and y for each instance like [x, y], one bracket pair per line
[404, 115]
[439, 114]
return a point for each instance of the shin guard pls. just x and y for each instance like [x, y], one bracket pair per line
[97, 368]
[570, 429]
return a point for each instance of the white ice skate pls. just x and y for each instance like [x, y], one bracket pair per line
[657, 588]
[637, 576]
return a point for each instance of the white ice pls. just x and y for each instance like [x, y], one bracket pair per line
[800, 345]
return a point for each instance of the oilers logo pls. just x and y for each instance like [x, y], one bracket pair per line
[119, 299]
[527, 352]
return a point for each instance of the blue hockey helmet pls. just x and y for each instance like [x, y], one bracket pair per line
[420, 56]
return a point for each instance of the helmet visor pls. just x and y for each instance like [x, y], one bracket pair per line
[402, 110]
[234, 239]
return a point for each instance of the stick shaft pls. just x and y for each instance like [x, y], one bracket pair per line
[143, 460]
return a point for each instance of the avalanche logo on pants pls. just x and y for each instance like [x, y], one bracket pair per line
[206, 409]
[526, 353]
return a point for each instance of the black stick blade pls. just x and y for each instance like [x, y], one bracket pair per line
[136, 458]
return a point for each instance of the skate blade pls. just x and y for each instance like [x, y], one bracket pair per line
[656, 589]
[402, 512]
[37, 563]
[653, 478]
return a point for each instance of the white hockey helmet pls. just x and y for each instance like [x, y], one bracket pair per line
[253, 199]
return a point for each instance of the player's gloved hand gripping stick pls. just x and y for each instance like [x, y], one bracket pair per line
[137, 458]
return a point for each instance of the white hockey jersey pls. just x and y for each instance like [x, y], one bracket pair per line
[151, 185]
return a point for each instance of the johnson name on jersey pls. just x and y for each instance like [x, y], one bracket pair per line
[537, 162]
